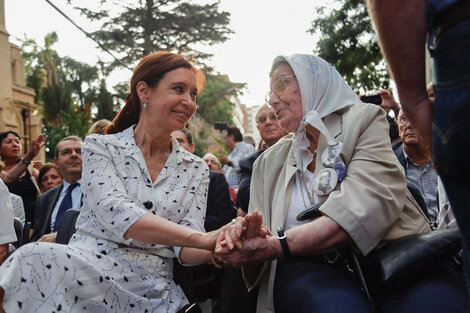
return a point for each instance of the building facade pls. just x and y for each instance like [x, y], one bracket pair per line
[18, 112]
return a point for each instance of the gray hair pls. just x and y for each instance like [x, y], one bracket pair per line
[211, 155]
[278, 61]
[265, 105]
[73, 138]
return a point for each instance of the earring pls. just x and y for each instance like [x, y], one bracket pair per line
[145, 105]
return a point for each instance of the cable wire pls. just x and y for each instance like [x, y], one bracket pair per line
[88, 35]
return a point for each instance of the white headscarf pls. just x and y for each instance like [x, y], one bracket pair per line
[323, 92]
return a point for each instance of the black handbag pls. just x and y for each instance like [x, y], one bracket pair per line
[412, 253]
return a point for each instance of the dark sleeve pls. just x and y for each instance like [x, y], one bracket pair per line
[220, 209]
[243, 195]
[393, 128]
[39, 219]
[246, 168]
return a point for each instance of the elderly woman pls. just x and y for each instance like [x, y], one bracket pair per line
[144, 203]
[364, 202]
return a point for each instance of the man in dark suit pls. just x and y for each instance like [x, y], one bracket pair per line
[52, 204]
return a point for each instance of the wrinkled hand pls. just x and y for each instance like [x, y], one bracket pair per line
[240, 229]
[253, 223]
[238, 244]
[48, 237]
[388, 101]
[256, 249]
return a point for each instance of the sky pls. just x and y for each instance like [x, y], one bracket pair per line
[263, 30]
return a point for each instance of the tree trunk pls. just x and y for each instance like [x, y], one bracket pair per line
[147, 24]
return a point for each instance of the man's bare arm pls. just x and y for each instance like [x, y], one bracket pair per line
[401, 27]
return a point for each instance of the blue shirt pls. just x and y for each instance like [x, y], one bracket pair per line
[425, 180]
[241, 151]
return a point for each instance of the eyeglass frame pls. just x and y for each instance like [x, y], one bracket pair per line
[280, 93]
[271, 116]
[402, 121]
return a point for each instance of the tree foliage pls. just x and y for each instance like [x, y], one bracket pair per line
[348, 42]
[67, 91]
[138, 29]
[214, 103]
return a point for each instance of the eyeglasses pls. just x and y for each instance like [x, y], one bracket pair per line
[402, 121]
[264, 118]
[278, 87]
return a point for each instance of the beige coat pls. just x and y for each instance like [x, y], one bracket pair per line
[372, 203]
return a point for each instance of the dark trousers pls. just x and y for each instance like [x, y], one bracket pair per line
[316, 287]
[311, 286]
[451, 123]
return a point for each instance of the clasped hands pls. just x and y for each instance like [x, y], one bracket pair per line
[246, 240]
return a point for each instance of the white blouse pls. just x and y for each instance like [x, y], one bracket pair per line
[116, 185]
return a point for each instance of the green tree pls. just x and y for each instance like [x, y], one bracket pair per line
[213, 103]
[146, 26]
[42, 65]
[66, 91]
[105, 103]
[80, 77]
[348, 42]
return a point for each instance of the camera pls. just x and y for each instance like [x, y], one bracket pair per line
[374, 99]
[221, 125]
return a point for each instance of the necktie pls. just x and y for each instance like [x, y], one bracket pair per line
[64, 205]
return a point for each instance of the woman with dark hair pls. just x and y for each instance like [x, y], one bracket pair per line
[144, 203]
[18, 174]
[49, 177]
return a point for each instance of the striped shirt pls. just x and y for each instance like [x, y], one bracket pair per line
[241, 151]
[425, 180]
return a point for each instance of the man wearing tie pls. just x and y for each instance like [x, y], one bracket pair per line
[52, 205]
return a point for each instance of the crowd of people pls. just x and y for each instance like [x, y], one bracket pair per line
[273, 229]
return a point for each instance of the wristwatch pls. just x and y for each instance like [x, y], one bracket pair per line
[283, 240]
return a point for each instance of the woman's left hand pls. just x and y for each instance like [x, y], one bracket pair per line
[36, 145]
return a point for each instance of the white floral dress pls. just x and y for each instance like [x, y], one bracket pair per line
[99, 271]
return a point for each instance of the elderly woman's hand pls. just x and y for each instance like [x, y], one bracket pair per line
[253, 223]
[255, 249]
[241, 229]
